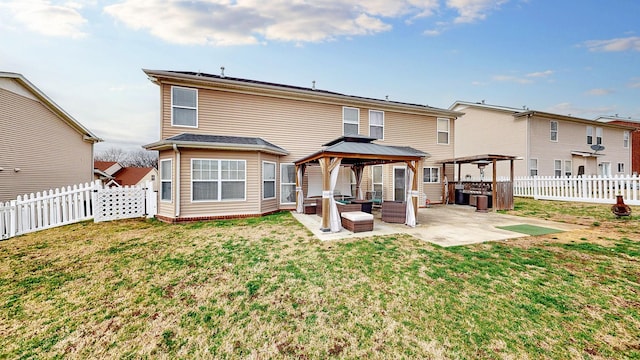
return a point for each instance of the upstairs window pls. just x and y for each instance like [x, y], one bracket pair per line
[589, 135]
[184, 107]
[350, 121]
[443, 131]
[599, 135]
[376, 124]
[620, 167]
[554, 130]
[625, 139]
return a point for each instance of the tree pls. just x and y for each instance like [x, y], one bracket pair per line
[132, 158]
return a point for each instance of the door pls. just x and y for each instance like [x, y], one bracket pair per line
[399, 183]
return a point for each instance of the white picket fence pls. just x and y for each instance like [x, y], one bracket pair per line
[595, 189]
[73, 204]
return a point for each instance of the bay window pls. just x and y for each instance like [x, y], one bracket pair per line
[218, 180]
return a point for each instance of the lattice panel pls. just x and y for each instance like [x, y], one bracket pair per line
[119, 203]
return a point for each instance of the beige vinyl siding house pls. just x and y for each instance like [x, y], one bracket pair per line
[273, 125]
[548, 144]
[41, 146]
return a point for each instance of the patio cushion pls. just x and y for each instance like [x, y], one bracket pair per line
[356, 216]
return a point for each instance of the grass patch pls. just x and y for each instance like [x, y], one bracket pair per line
[265, 288]
[531, 230]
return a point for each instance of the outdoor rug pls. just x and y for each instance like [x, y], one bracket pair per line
[529, 229]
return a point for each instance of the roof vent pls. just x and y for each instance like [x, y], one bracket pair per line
[386, 97]
[221, 71]
[313, 85]
[482, 101]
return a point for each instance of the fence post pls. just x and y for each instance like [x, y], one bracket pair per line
[13, 220]
[535, 187]
[151, 201]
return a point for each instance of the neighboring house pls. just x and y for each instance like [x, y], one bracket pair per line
[42, 147]
[111, 173]
[632, 136]
[228, 145]
[549, 144]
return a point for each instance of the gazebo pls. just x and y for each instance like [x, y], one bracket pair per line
[356, 152]
[501, 192]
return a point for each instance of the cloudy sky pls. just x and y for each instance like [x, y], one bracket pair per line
[565, 56]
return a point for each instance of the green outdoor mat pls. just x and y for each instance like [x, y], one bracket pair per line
[529, 229]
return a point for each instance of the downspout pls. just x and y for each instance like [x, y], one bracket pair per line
[175, 148]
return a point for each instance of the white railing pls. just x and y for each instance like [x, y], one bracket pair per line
[52, 208]
[595, 189]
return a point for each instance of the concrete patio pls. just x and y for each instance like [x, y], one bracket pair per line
[443, 225]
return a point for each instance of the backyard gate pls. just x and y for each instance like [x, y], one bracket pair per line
[121, 203]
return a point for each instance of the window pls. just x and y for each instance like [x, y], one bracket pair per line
[376, 124]
[376, 178]
[589, 135]
[431, 175]
[287, 183]
[557, 168]
[184, 107]
[599, 135]
[554, 130]
[443, 131]
[605, 168]
[568, 168]
[625, 139]
[268, 180]
[350, 121]
[620, 167]
[217, 180]
[533, 167]
[165, 180]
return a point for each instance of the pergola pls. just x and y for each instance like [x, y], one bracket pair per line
[485, 160]
[356, 152]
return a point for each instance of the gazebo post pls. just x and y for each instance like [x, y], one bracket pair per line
[494, 200]
[512, 205]
[326, 188]
[298, 185]
[414, 190]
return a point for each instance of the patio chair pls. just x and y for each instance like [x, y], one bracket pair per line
[375, 197]
[394, 212]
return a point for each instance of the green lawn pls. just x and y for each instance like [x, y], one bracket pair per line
[265, 288]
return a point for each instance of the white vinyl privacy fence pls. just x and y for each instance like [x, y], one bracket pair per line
[73, 204]
[595, 189]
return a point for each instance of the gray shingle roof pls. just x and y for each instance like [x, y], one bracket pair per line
[219, 141]
[373, 149]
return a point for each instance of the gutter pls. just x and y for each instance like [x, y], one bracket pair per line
[175, 148]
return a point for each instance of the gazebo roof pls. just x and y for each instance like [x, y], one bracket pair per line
[478, 158]
[360, 150]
